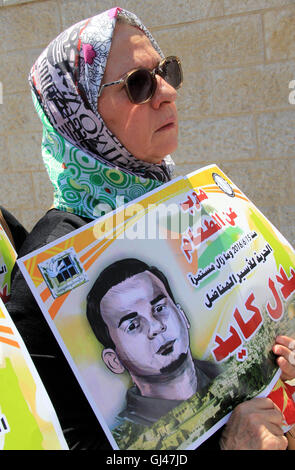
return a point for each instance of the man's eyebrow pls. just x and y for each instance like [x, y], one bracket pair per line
[127, 317]
[158, 298]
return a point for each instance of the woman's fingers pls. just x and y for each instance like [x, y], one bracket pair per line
[284, 348]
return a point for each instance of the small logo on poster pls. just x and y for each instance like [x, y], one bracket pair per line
[63, 272]
[223, 184]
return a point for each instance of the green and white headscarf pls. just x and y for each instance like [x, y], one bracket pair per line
[91, 171]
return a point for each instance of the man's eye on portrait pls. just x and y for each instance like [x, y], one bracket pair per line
[134, 325]
[160, 308]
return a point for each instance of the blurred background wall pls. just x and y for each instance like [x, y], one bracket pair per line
[238, 58]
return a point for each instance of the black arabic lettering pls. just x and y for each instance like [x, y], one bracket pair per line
[252, 263]
[211, 298]
[220, 290]
[201, 274]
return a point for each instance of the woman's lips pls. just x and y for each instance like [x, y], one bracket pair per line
[170, 124]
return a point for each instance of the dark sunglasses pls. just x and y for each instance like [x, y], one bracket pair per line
[141, 83]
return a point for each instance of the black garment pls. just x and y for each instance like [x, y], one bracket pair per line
[81, 428]
[148, 410]
[18, 232]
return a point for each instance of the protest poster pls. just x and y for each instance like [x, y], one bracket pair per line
[194, 333]
[27, 418]
[7, 260]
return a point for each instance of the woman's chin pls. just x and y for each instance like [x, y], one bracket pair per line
[158, 159]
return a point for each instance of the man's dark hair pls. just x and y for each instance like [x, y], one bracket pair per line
[114, 274]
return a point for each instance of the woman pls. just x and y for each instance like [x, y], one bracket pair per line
[106, 99]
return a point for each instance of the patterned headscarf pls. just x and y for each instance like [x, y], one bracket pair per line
[91, 171]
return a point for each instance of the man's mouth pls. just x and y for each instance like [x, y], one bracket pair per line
[166, 348]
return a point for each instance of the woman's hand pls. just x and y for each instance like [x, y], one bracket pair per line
[284, 348]
[254, 425]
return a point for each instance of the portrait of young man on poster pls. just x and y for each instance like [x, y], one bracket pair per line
[133, 314]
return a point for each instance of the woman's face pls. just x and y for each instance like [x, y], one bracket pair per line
[148, 131]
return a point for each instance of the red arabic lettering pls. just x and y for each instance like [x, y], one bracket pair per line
[227, 346]
[249, 327]
[276, 312]
[188, 204]
[209, 227]
[190, 241]
[288, 284]
[219, 221]
[193, 201]
[202, 195]
[187, 245]
[231, 216]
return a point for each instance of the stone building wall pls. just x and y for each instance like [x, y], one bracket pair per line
[238, 58]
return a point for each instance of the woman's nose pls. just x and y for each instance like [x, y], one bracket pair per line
[164, 93]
